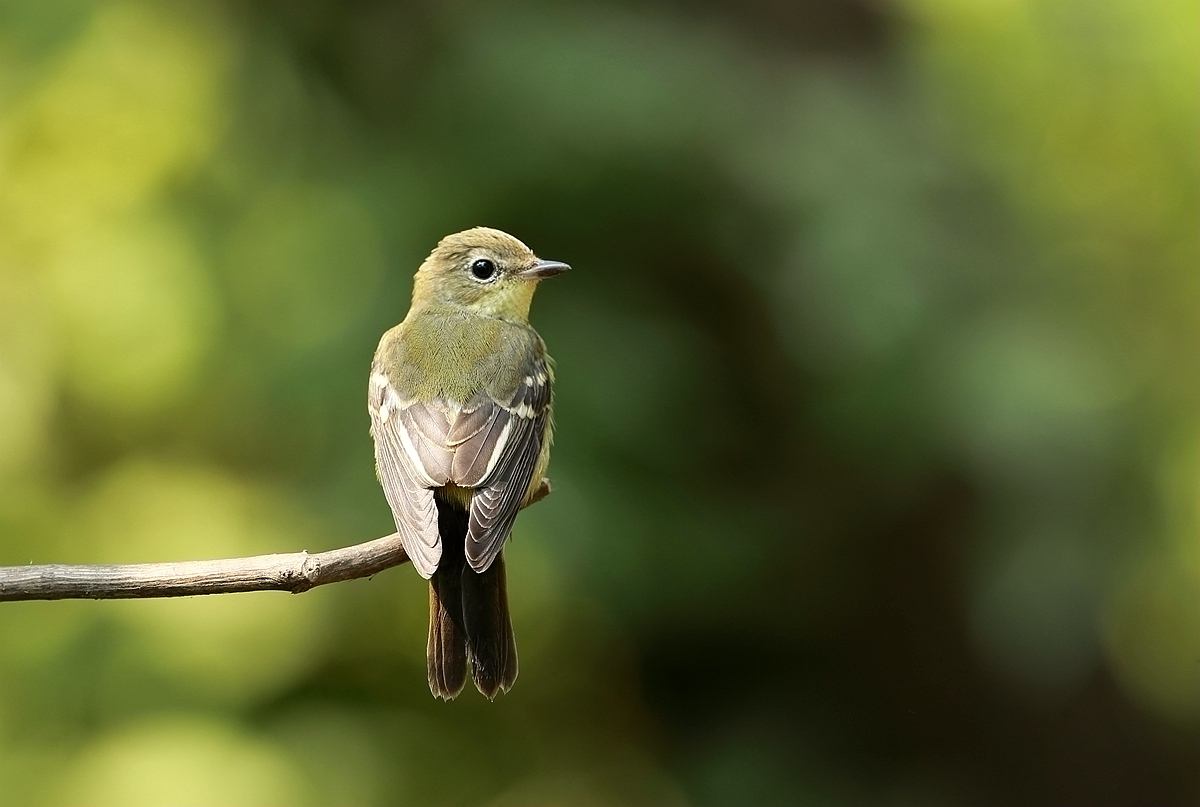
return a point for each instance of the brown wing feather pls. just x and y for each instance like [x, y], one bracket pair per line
[473, 456]
[495, 504]
[500, 493]
[406, 479]
[489, 445]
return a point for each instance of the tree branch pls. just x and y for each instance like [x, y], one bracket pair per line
[295, 572]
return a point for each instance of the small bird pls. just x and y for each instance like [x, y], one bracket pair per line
[460, 398]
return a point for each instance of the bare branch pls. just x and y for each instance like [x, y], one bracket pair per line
[295, 572]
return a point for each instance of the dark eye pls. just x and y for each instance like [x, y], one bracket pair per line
[483, 269]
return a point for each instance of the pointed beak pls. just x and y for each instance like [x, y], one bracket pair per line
[545, 269]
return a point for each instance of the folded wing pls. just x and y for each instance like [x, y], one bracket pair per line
[490, 444]
[502, 483]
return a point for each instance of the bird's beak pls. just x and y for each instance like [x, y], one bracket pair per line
[544, 269]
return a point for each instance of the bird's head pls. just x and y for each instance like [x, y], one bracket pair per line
[485, 270]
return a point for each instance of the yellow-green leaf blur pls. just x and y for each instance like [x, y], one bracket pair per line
[877, 477]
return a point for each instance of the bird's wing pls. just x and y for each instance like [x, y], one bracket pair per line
[491, 444]
[408, 469]
[502, 436]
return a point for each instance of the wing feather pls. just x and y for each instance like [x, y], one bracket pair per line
[474, 456]
[404, 472]
[495, 505]
[490, 444]
[501, 491]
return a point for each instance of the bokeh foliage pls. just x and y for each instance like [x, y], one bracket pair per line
[878, 478]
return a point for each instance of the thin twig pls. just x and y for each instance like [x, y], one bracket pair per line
[295, 572]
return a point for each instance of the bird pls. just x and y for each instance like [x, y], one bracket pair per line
[461, 397]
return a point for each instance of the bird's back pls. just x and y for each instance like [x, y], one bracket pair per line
[451, 354]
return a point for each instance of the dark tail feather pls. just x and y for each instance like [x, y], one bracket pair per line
[490, 641]
[446, 648]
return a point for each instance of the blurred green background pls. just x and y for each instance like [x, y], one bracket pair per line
[878, 472]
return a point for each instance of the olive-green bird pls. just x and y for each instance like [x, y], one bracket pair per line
[460, 399]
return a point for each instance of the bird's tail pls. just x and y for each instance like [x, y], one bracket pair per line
[468, 618]
[490, 641]
[446, 648]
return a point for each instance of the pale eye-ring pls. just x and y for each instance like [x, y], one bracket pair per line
[483, 270]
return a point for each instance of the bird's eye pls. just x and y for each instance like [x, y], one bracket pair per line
[483, 269]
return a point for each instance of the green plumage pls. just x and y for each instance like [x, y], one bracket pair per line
[441, 351]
